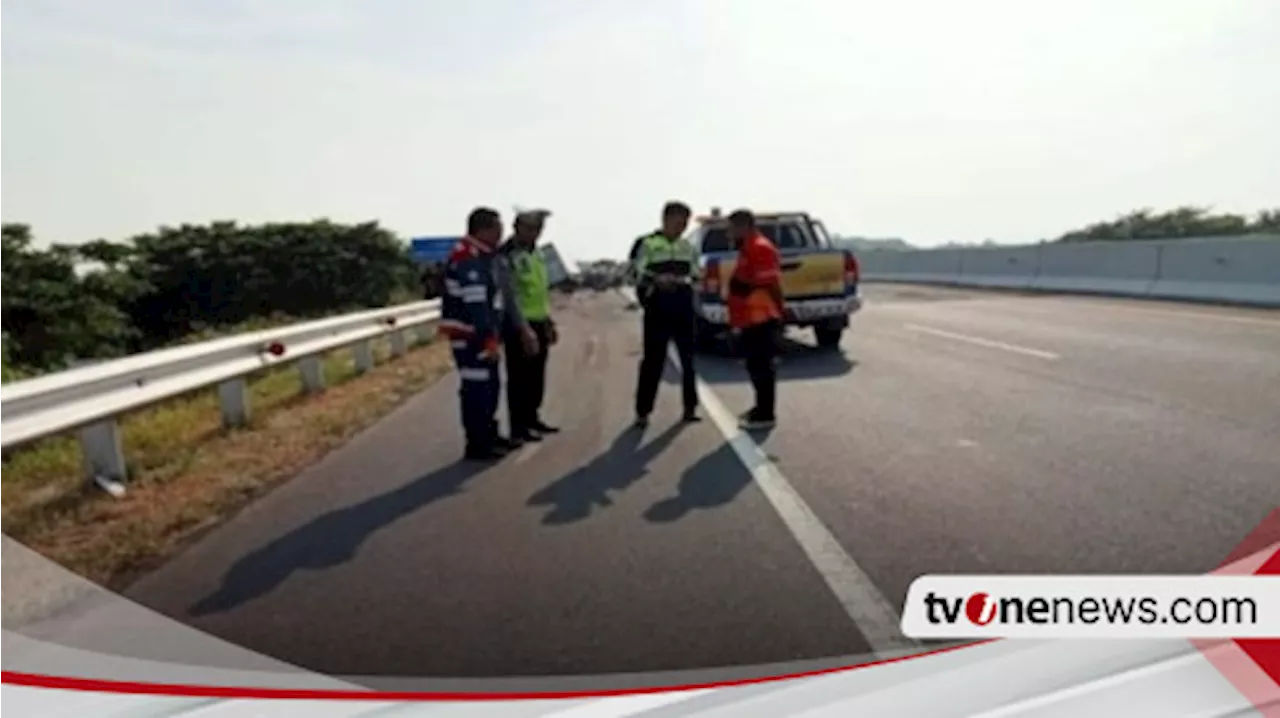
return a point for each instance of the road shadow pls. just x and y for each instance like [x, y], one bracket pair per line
[574, 496]
[796, 360]
[330, 540]
[713, 481]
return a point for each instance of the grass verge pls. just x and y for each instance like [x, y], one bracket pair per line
[187, 473]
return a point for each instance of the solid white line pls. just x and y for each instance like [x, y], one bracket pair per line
[875, 618]
[527, 452]
[990, 343]
[871, 613]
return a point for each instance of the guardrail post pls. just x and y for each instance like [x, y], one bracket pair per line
[312, 374]
[364, 356]
[233, 397]
[103, 451]
[398, 344]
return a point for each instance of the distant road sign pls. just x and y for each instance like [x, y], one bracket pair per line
[431, 249]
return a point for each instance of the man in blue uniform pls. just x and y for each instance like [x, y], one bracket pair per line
[470, 318]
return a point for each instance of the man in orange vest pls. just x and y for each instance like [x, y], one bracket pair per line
[756, 308]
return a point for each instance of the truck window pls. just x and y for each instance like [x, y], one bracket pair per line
[820, 232]
[792, 235]
[788, 235]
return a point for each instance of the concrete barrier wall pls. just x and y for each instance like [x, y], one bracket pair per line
[1237, 270]
[1245, 270]
[1000, 267]
[1128, 268]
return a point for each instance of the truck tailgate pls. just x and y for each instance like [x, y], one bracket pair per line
[805, 273]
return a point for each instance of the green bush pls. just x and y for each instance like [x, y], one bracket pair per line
[104, 299]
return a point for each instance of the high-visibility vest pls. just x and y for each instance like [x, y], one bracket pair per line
[660, 255]
[529, 274]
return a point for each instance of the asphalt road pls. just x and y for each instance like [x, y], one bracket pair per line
[956, 431]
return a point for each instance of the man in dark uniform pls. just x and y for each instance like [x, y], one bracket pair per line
[666, 266]
[470, 318]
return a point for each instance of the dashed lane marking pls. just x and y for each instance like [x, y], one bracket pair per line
[979, 341]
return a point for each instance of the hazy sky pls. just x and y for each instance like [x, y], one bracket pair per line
[933, 121]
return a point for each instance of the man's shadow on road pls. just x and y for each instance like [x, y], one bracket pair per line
[331, 539]
[715, 480]
[573, 497]
[796, 360]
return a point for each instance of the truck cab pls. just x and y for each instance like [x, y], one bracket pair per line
[819, 280]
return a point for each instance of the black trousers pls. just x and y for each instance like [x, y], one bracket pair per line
[662, 326]
[760, 349]
[526, 377]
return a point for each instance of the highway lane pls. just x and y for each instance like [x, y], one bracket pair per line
[602, 550]
[957, 431]
[978, 432]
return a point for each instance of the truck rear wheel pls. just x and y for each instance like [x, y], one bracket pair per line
[827, 337]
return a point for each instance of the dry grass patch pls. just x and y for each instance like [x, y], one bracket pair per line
[187, 473]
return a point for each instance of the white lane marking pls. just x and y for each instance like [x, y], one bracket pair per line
[989, 343]
[875, 618]
[871, 613]
[528, 452]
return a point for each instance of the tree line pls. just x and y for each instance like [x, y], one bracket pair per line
[1183, 222]
[105, 299]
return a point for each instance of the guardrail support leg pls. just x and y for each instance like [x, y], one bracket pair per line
[233, 397]
[398, 344]
[364, 357]
[312, 374]
[103, 451]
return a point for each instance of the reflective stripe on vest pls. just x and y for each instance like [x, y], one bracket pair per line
[529, 270]
[659, 255]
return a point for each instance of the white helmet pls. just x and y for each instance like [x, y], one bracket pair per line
[536, 215]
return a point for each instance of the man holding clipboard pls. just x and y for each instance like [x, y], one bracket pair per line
[667, 268]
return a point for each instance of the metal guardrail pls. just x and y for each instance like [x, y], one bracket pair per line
[89, 399]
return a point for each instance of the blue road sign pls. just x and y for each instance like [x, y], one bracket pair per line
[431, 249]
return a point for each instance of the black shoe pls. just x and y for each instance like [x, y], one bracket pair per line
[505, 445]
[545, 428]
[525, 436]
[642, 421]
[691, 417]
[754, 421]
